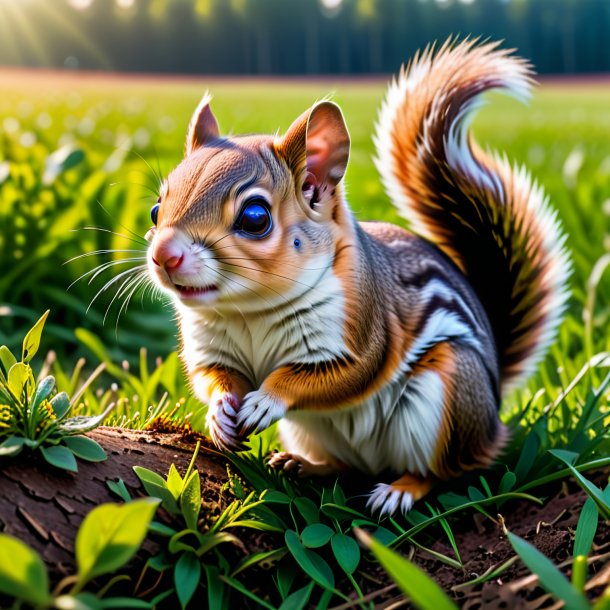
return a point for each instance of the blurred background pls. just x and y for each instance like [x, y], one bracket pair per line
[97, 94]
[292, 36]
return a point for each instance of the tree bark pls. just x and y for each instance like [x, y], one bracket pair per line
[44, 506]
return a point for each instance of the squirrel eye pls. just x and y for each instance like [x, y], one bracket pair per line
[255, 219]
[154, 213]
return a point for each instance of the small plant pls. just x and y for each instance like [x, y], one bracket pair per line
[34, 416]
[107, 539]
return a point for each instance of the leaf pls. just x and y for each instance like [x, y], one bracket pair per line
[216, 588]
[586, 528]
[156, 486]
[18, 376]
[528, 455]
[550, 577]
[265, 558]
[316, 535]
[593, 491]
[43, 390]
[85, 448]
[61, 405]
[12, 446]
[334, 511]
[309, 511]
[6, 358]
[275, 497]
[119, 488]
[31, 343]
[190, 500]
[298, 600]
[187, 574]
[507, 483]
[62, 159]
[82, 423]
[148, 476]
[110, 535]
[60, 457]
[310, 562]
[160, 528]
[82, 601]
[23, 574]
[347, 552]
[121, 603]
[420, 588]
[174, 482]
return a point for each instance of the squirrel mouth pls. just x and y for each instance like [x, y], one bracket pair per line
[189, 292]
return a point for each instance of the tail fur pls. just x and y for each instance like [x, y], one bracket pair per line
[489, 217]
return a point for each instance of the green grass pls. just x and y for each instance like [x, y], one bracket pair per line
[128, 131]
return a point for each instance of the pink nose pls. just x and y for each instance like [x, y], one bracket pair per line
[167, 252]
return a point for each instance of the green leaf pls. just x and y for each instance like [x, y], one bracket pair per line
[316, 535]
[507, 483]
[187, 574]
[310, 562]
[420, 588]
[43, 390]
[110, 535]
[550, 577]
[309, 511]
[334, 511]
[85, 448]
[7, 359]
[82, 423]
[185, 540]
[160, 528]
[586, 528]
[62, 159]
[60, 457]
[23, 575]
[126, 603]
[190, 500]
[82, 601]
[265, 558]
[275, 497]
[347, 552]
[528, 455]
[18, 377]
[12, 446]
[593, 491]
[148, 476]
[119, 488]
[216, 589]
[298, 600]
[61, 405]
[174, 482]
[31, 343]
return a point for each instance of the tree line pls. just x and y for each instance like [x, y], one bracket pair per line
[296, 36]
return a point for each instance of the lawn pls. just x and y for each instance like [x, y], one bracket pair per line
[80, 164]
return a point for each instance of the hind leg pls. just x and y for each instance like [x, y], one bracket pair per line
[400, 495]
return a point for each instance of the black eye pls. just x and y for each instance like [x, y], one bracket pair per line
[154, 212]
[255, 219]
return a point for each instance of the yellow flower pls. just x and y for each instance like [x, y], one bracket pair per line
[46, 405]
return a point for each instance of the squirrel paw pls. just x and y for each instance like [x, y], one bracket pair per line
[222, 422]
[258, 411]
[387, 500]
[289, 463]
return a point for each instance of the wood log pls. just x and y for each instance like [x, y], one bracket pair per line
[44, 506]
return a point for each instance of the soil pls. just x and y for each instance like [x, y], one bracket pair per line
[44, 507]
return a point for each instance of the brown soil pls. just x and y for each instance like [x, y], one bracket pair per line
[44, 507]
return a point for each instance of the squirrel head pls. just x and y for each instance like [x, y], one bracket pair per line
[250, 221]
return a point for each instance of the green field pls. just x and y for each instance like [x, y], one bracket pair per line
[87, 151]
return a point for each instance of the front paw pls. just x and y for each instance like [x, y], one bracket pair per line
[258, 411]
[222, 422]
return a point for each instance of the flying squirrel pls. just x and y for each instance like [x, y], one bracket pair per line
[376, 349]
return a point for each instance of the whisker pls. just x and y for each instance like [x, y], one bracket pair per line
[120, 224]
[122, 289]
[102, 267]
[113, 281]
[138, 238]
[94, 252]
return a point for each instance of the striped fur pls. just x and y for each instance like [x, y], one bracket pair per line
[376, 348]
[489, 217]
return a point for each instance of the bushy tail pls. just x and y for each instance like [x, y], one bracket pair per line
[489, 217]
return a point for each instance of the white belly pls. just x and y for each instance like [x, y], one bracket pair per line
[397, 429]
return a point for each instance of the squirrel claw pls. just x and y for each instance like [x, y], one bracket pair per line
[222, 423]
[387, 500]
[258, 411]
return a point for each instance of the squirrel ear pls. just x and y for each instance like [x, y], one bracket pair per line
[203, 126]
[318, 141]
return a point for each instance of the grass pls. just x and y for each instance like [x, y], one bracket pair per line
[115, 134]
